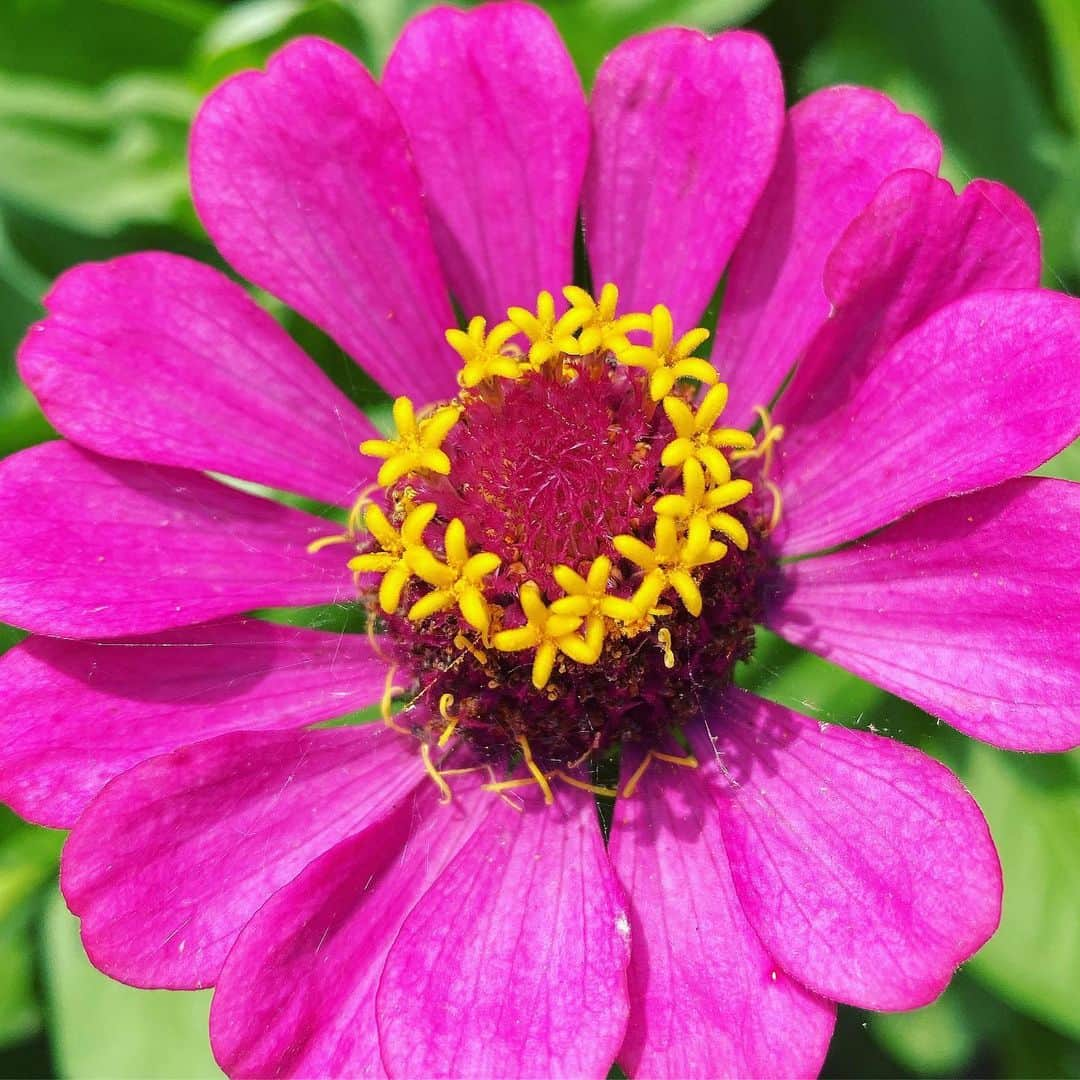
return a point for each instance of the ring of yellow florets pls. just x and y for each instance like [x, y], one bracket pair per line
[693, 527]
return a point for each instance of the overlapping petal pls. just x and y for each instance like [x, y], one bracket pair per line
[917, 247]
[94, 547]
[838, 146]
[303, 177]
[155, 357]
[864, 866]
[513, 963]
[78, 713]
[685, 133]
[980, 392]
[706, 999]
[297, 994]
[171, 860]
[969, 607]
[497, 120]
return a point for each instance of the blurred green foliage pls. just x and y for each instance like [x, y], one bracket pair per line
[95, 101]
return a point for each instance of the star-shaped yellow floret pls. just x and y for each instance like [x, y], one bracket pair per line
[601, 329]
[482, 353]
[588, 596]
[457, 581]
[549, 634]
[549, 336]
[703, 506]
[696, 434]
[417, 445]
[666, 359]
[669, 562]
[392, 561]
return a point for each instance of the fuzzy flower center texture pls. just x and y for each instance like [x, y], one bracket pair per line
[572, 553]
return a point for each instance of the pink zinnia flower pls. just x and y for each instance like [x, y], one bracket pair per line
[565, 556]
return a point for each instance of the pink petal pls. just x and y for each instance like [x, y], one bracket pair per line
[982, 391]
[970, 608]
[513, 962]
[172, 859]
[96, 547]
[685, 133]
[706, 999]
[304, 180]
[77, 713]
[838, 146]
[158, 358]
[496, 117]
[917, 247]
[297, 994]
[864, 866]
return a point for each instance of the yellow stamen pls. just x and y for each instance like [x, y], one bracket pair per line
[583, 785]
[445, 704]
[436, 776]
[531, 765]
[387, 702]
[688, 761]
[326, 541]
[663, 635]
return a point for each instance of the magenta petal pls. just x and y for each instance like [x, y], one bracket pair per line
[77, 713]
[866, 869]
[172, 859]
[93, 547]
[513, 963]
[158, 358]
[297, 994]
[969, 607]
[685, 133]
[982, 391]
[839, 145]
[304, 180]
[706, 999]
[917, 247]
[496, 117]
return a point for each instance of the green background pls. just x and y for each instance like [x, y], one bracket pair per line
[95, 100]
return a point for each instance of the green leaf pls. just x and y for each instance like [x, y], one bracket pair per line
[1033, 807]
[103, 1030]
[245, 34]
[1062, 19]
[592, 28]
[938, 1040]
[28, 858]
[87, 41]
[957, 66]
[95, 160]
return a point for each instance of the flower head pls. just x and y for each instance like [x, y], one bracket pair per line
[559, 561]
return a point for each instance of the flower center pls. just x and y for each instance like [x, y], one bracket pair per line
[573, 552]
